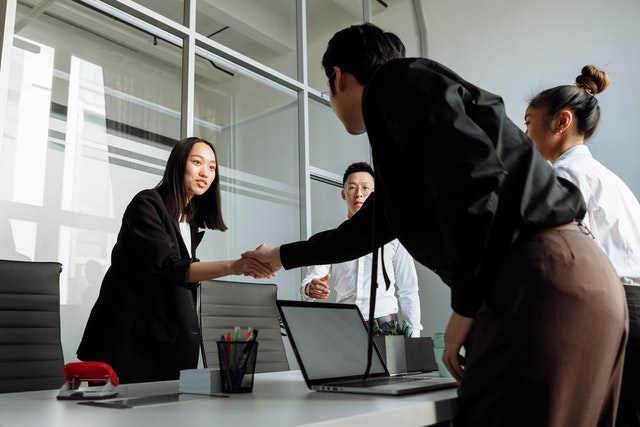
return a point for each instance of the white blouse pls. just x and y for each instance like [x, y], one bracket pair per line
[613, 211]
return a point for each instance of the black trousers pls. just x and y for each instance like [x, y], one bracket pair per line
[629, 404]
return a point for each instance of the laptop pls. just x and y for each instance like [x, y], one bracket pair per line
[330, 343]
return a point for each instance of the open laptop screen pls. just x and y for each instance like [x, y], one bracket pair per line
[330, 339]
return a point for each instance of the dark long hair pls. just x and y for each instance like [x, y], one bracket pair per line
[359, 50]
[203, 211]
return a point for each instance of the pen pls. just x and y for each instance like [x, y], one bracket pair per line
[225, 361]
[244, 360]
[249, 333]
[236, 332]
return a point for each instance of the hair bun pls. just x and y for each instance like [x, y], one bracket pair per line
[592, 80]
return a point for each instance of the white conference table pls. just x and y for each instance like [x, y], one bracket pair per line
[278, 399]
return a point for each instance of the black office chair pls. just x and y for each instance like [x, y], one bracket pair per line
[225, 304]
[31, 355]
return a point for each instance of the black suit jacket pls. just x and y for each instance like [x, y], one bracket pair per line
[456, 181]
[144, 322]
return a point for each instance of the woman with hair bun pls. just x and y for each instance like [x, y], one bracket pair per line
[560, 120]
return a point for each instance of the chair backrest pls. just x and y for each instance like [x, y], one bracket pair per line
[226, 304]
[31, 355]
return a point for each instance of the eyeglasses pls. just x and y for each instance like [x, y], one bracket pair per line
[325, 94]
[353, 189]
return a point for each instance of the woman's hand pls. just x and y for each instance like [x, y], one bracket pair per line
[253, 268]
[269, 255]
[458, 330]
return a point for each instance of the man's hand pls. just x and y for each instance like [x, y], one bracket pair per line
[458, 330]
[256, 269]
[318, 288]
[269, 255]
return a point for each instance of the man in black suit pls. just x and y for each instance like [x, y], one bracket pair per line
[468, 195]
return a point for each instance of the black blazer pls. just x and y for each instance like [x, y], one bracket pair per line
[456, 181]
[144, 322]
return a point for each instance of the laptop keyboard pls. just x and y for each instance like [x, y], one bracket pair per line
[371, 382]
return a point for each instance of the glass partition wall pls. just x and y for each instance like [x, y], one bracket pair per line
[98, 92]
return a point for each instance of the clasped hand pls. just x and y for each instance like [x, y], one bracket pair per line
[258, 270]
[265, 259]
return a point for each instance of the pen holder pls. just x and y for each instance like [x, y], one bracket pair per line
[237, 365]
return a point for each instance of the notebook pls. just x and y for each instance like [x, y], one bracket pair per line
[330, 344]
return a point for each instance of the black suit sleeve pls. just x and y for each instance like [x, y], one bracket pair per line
[350, 240]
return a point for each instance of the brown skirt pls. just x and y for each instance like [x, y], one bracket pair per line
[547, 347]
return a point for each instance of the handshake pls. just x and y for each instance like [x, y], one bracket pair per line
[262, 262]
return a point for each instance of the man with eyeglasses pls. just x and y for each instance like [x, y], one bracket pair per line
[351, 279]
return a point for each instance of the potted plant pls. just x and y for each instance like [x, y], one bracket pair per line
[402, 353]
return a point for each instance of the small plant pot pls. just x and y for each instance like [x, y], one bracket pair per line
[392, 350]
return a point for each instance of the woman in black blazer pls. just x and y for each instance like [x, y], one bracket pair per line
[144, 322]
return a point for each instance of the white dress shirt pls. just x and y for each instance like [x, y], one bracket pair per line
[351, 281]
[613, 212]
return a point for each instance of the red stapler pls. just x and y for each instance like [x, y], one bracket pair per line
[88, 381]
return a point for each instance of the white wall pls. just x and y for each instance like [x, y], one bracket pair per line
[515, 48]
